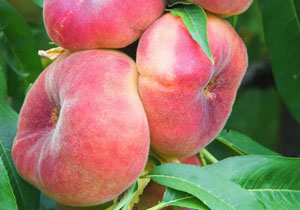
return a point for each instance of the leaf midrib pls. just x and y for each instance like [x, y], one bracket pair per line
[178, 199]
[276, 190]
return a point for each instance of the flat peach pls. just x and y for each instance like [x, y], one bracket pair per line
[79, 25]
[83, 136]
[188, 99]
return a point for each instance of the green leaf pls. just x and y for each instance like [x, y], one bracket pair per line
[266, 129]
[27, 196]
[213, 190]
[28, 88]
[242, 144]
[194, 18]
[8, 117]
[220, 150]
[127, 198]
[7, 198]
[154, 160]
[233, 20]
[273, 180]
[177, 198]
[282, 34]
[172, 3]
[40, 3]
[18, 44]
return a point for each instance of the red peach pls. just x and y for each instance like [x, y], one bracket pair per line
[188, 99]
[224, 8]
[78, 25]
[83, 136]
[154, 192]
[192, 160]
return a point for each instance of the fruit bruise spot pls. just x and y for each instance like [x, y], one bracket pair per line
[59, 25]
[207, 89]
[55, 115]
[136, 28]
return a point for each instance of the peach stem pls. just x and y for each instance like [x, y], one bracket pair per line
[158, 206]
[209, 156]
[202, 159]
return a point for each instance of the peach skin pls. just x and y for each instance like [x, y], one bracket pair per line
[188, 99]
[83, 136]
[224, 8]
[78, 25]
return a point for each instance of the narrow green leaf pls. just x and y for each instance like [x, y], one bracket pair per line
[273, 180]
[17, 43]
[28, 88]
[154, 160]
[7, 198]
[242, 144]
[233, 20]
[213, 190]
[40, 3]
[27, 196]
[127, 198]
[172, 3]
[194, 18]
[282, 34]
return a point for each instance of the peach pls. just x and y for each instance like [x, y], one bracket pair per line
[78, 25]
[83, 136]
[154, 192]
[188, 99]
[224, 8]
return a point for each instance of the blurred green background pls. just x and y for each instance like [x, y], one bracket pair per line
[259, 111]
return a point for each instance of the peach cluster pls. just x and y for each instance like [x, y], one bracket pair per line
[87, 123]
